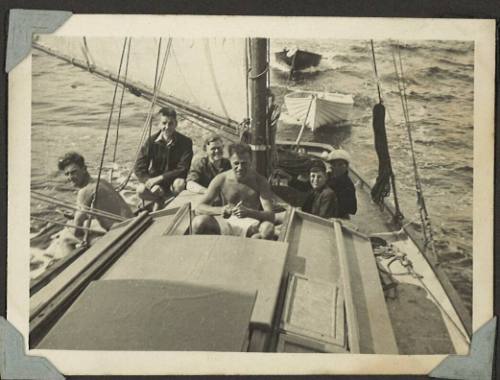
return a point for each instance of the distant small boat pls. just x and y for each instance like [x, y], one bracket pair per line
[320, 108]
[298, 59]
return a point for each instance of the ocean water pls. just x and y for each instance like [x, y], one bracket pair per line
[70, 109]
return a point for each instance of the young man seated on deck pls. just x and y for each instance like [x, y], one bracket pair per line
[341, 184]
[106, 199]
[321, 200]
[205, 168]
[163, 161]
[247, 201]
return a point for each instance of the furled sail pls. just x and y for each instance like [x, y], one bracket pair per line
[207, 73]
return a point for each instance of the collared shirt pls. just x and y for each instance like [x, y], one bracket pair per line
[203, 171]
[161, 140]
[170, 159]
[322, 203]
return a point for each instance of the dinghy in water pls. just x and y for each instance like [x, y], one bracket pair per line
[298, 59]
[317, 109]
[361, 286]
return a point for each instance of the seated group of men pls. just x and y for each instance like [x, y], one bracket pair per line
[236, 199]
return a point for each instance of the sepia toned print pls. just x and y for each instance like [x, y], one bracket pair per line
[380, 130]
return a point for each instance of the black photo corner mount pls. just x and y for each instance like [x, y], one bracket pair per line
[15, 364]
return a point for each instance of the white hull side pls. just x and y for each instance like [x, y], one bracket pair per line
[327, 109]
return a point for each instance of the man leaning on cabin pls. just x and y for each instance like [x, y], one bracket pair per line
[341, 184]
[163, 161]
[247, 209]
[106, 199]
[206, 167]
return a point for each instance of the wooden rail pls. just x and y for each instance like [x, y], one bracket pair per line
[47, 313]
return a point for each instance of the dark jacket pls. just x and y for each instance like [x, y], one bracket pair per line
[346, 195]
[322, 203]
[203, 171]
[157, 158]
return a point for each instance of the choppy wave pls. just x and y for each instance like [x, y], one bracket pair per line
[436, 72]
[428, 96]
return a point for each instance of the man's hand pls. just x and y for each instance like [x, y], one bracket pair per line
[241, 211]
[227, 210]
[153, 181]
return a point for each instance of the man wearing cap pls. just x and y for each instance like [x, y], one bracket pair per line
[321, 200]
[205, 168]
[341, 184]
[163, 161]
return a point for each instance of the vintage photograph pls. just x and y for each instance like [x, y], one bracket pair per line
[252, 195]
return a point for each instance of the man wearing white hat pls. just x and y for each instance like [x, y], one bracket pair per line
[341, 184]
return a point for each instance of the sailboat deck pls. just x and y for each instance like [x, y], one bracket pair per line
[418, 323]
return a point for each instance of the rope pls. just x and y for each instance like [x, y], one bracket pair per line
[259, 75]
[391, 253]
[214, 78]
[81, 208]
[149, 114]
[120, 109]
[186, 84]
[87, 56]
[247, 72]
[376, 72]
[299, 137]
[385, 179]
[424, 216]
[69, 225]
[155, 85]
[94, 200]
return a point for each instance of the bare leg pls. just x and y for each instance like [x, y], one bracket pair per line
[205, 225]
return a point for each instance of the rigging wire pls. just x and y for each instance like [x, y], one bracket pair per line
[247, 73]
[385, 178]
[149, 115]
[214, 78]
[380, 89]
[424, 216]
[120, 109]
[96, 191]
[186, 83]
[376, 73]
[67, 225]
[82, 208]
[155, 85]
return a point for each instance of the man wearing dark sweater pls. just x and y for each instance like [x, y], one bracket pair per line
[321, 200]
[163, 161]
[341, 184]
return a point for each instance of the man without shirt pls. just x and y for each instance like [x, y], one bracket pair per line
[107, 199]
[246, 197]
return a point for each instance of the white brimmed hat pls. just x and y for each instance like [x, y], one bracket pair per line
[339, 154]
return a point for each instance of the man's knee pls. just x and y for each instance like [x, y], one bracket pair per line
[143, 192]
[205, 225]
[178, 186]
[265, 231]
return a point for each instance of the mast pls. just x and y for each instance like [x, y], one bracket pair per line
[258, 89]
